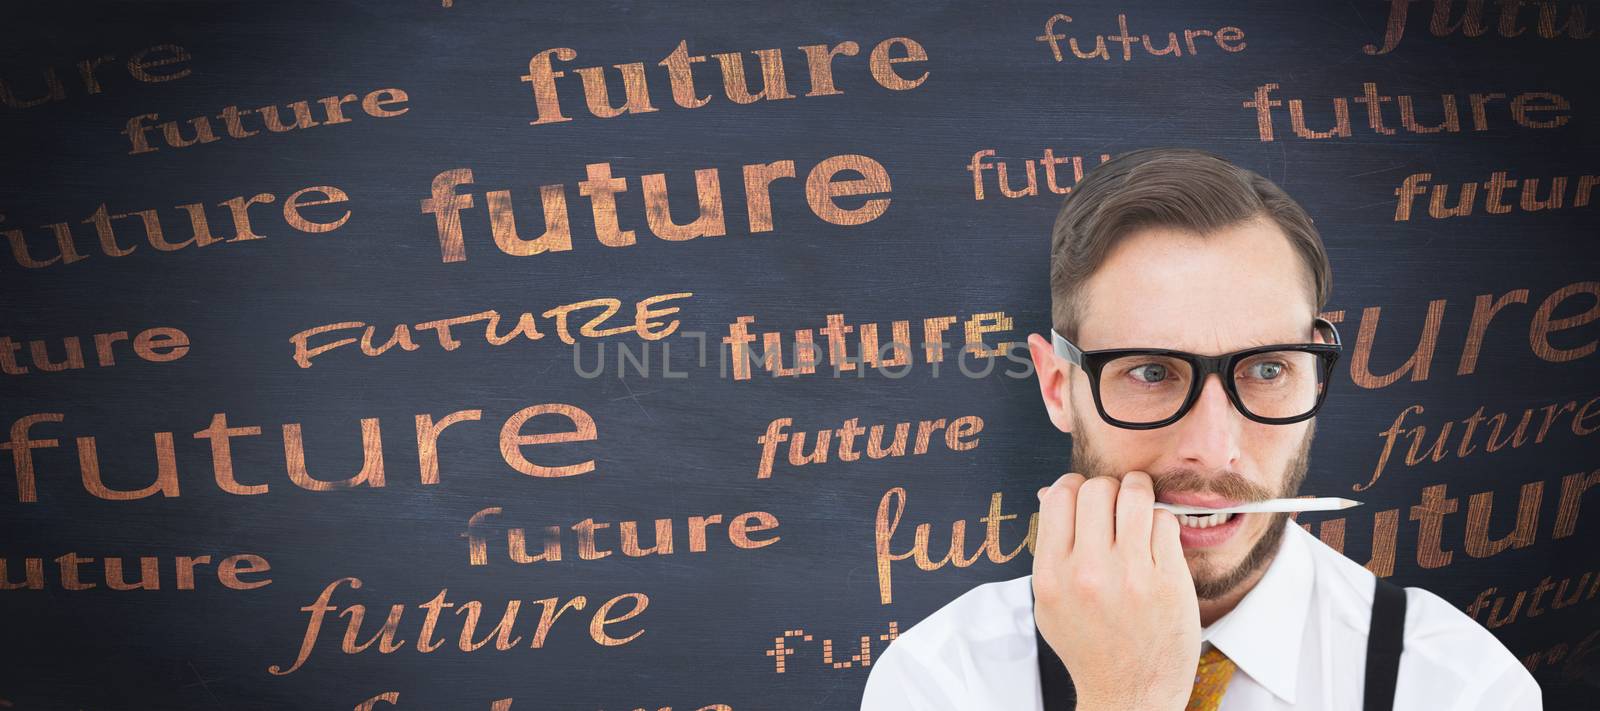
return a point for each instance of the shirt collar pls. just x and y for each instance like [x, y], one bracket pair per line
[1262, 633]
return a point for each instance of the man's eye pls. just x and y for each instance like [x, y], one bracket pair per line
[1269, 371]
[1150, 373]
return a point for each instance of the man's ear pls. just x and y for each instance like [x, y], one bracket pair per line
[1318, 336]
[1055, 381]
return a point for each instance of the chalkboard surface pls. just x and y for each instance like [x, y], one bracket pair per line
[482, 355]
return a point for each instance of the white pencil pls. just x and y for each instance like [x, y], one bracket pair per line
[1323, 503]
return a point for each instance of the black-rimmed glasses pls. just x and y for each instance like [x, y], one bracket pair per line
[1146, 388]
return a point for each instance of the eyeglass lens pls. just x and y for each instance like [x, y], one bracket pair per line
[1142, 389]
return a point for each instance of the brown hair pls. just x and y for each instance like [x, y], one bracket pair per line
[1178, 188]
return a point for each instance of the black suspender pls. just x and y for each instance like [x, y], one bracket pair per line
[1054, 681]
[1385, 639]
[1059, 693]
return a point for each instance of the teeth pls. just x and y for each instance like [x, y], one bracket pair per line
[1206, 521]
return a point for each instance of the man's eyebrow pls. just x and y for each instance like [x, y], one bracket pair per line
[1255, 342]
[1250, 343]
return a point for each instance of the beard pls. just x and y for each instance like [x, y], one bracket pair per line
[1211, 581]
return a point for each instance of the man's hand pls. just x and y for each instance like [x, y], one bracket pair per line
[1113, 595]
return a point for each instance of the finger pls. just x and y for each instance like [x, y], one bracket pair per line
[1135, 501]
[1057, 508]
[1070, 483]
[1166, 545]
[1097, 500]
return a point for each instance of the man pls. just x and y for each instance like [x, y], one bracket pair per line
[1130, 608]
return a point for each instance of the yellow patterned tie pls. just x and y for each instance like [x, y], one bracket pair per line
[1210, 680]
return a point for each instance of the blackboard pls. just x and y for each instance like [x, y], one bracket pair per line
[335, 380]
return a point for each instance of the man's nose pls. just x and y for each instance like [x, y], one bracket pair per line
[1208, 435]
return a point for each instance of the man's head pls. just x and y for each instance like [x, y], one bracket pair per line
[1179, 249]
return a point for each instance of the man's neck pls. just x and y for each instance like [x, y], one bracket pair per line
[1213, 610]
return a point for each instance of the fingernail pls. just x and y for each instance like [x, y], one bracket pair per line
[1040, 493]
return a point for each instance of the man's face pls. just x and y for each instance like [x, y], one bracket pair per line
[1216, 569]
[1241, 287]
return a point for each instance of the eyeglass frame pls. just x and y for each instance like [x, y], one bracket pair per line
[1092, 362]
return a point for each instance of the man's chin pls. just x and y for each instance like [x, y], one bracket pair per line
[1207, 566]
[1219, 570]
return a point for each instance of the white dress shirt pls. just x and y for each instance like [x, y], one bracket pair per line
[1298, 638]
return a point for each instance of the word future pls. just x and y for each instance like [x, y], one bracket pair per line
[510, 443]
[1470, 24]
[155, 345]
[1222, 36]
[199, 226]
[821, 188]
[139, 67]
[1522, 109]
[1495, 189]
[376, 104]
[1049, 161]
[679, 66]
[968, 426]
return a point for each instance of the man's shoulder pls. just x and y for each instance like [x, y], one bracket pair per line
[997, 607]
[1440, 640]
[1448, 639]
[984, 636]
[999, 610]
